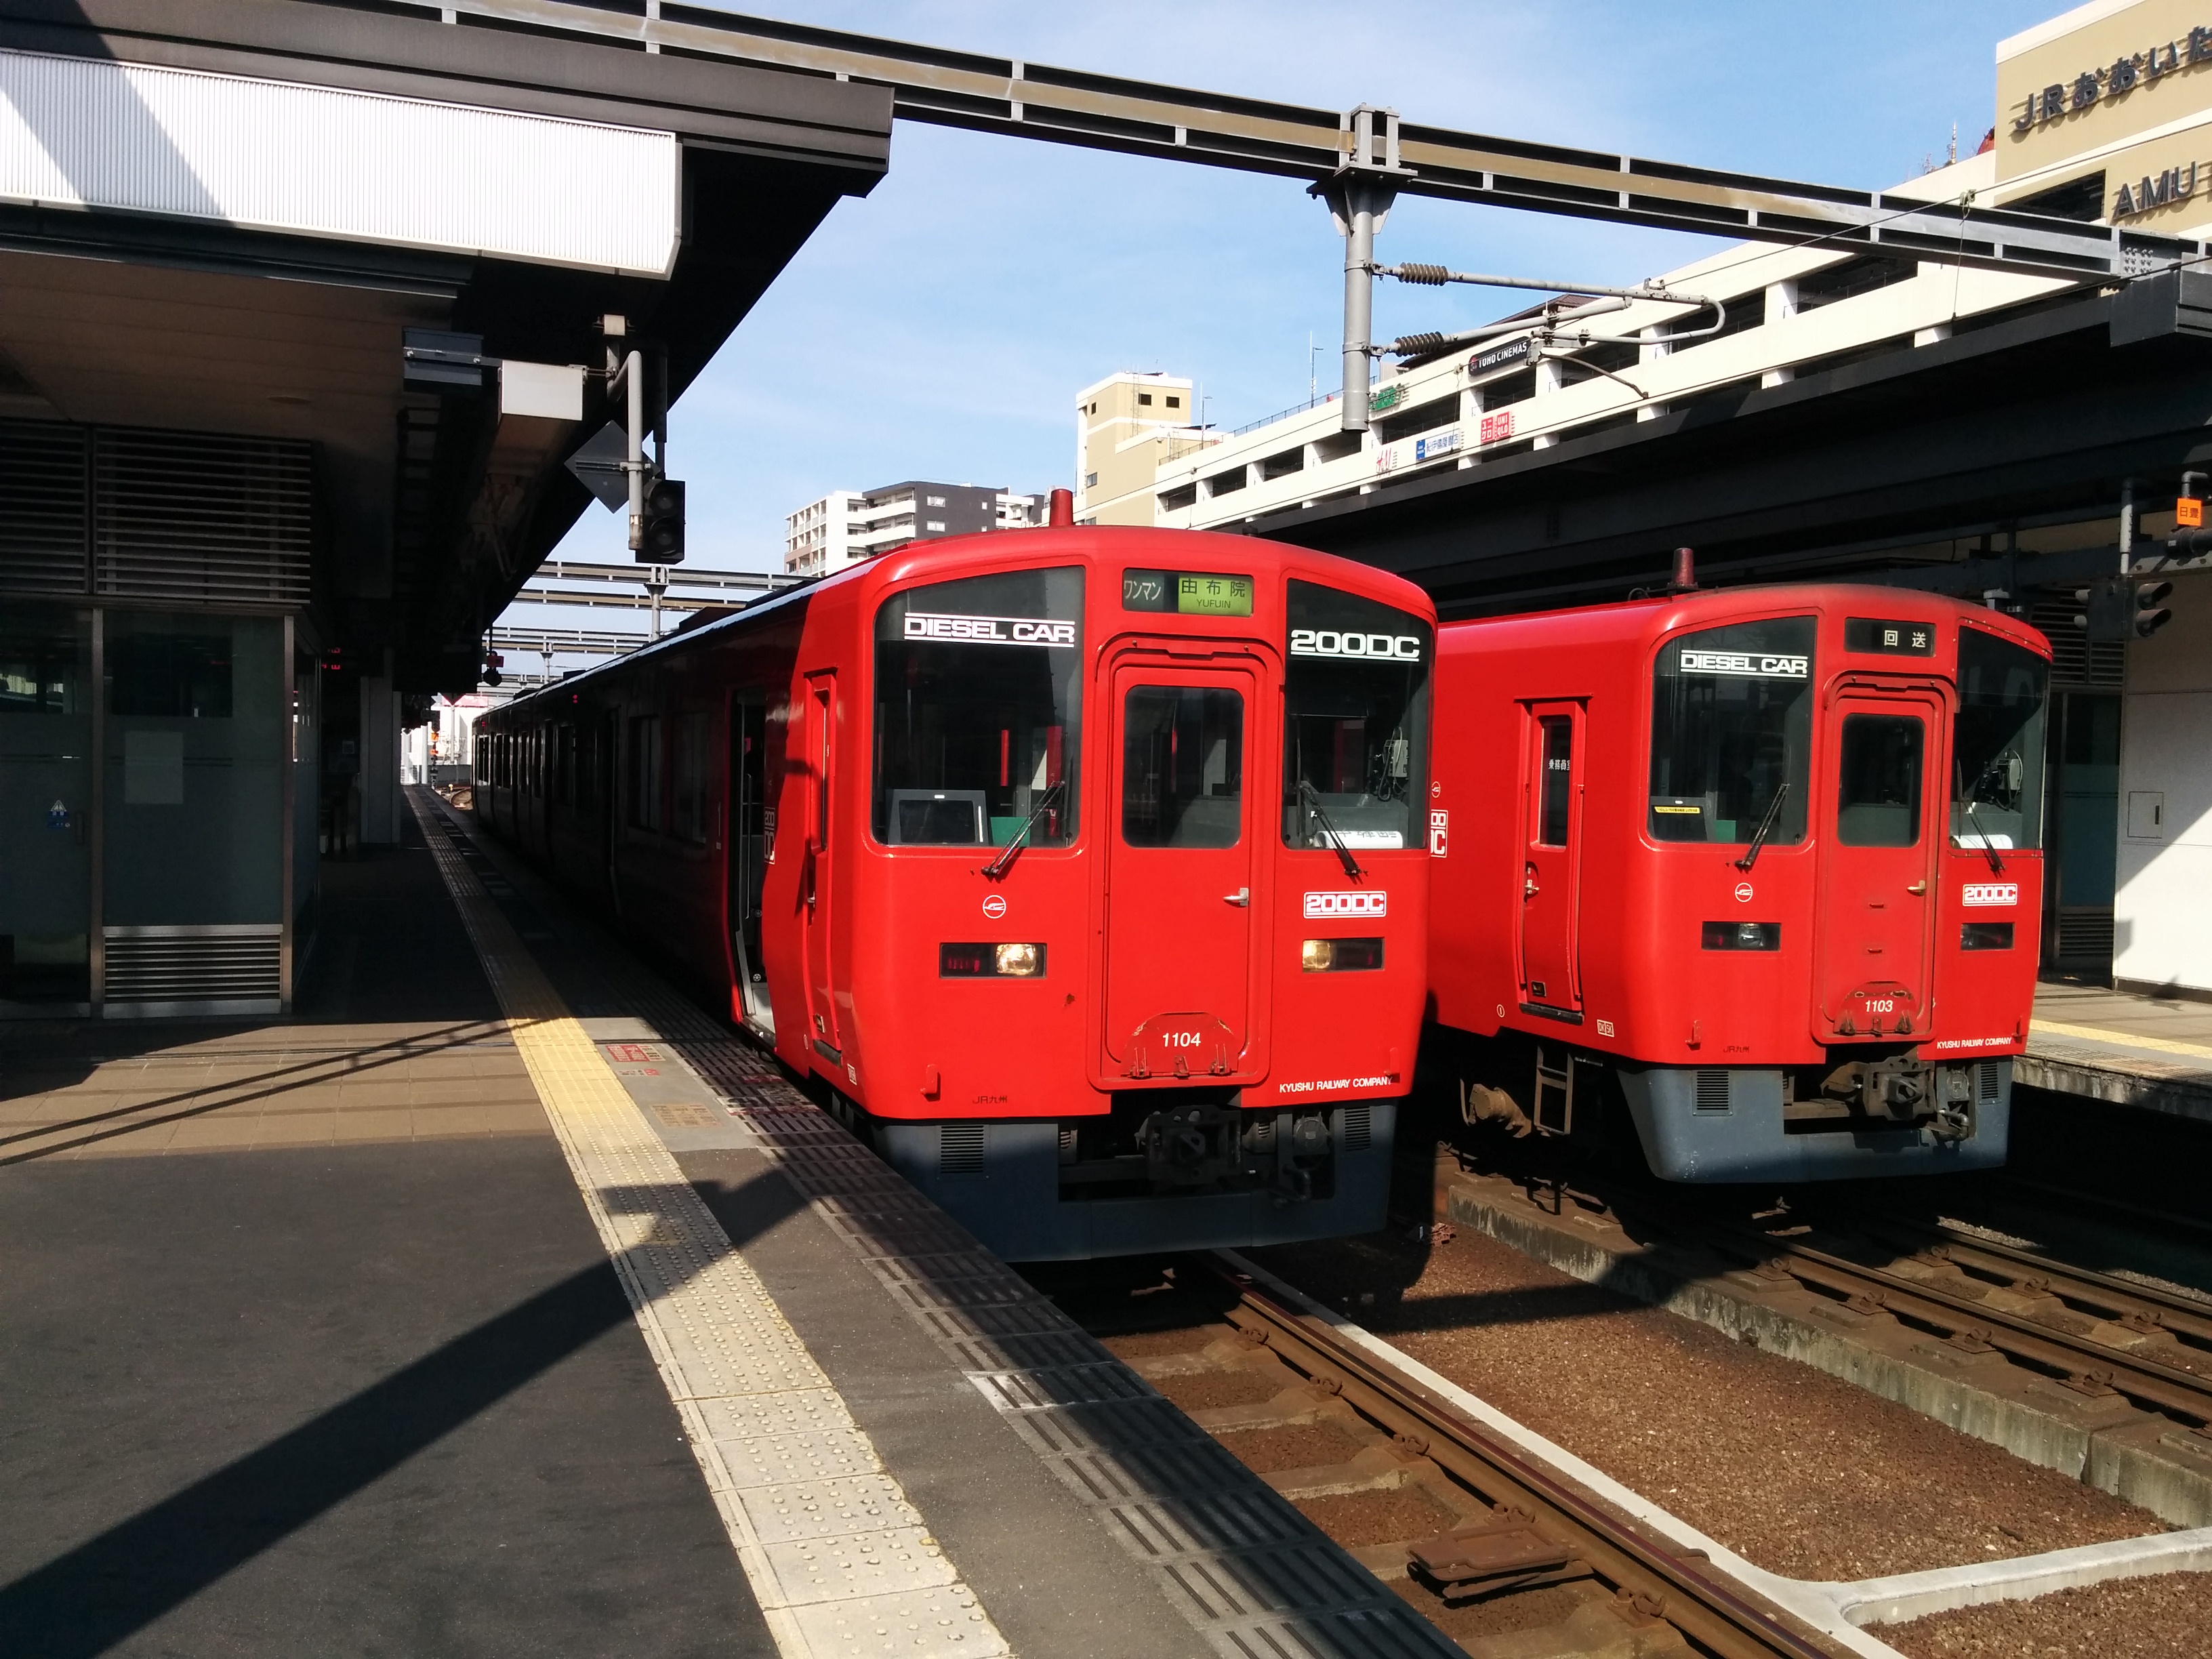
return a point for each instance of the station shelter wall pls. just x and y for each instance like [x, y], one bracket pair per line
[2162, 910]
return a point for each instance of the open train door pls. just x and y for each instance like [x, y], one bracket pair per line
[816, 888]
[746, 843]
[1551, 875]
[1884, 742]
[1179, 900]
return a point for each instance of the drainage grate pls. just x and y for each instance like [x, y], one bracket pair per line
[235, 964]
[960, 1148]
[1712, 1091]
[1359, 1127]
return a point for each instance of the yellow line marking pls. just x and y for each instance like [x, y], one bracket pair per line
[2102, 1034]
[723, 1347]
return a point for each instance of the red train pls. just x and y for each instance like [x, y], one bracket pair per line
[1083, 870]
[1756, 871]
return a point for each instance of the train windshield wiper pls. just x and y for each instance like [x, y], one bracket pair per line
[1311, 796]
[1989, 847]
[1766, 828]
[999, 866]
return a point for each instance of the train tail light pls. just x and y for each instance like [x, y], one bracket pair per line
[1740, 936]
[990, 960]
[1337, 956]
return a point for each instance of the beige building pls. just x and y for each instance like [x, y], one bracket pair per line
[1127, 427]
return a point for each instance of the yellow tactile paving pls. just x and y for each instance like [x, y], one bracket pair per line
[2123, 1039]
[722, 1346]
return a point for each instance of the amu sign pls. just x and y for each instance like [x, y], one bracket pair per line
[2174, 184]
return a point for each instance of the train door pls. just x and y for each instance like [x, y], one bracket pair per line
[1551, 871]
[1878, 865]
[747, 851]
[1180, 868]
[606, 797]
[815, 887]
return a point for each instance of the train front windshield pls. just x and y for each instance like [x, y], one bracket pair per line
[1356, 721]
[1732, 733]
[1997, 745]
[978, 711]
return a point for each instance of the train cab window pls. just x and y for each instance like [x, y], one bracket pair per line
[1355, 720]
[1996, 744]
[1732, 733]
[1182, 766]
[978, 711]
[1878, 781]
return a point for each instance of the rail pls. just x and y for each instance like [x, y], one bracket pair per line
[1646, 1574]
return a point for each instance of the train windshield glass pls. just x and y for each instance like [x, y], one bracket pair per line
[1996, 744]
[978, 716]
[1355, 720]
[1732, 733]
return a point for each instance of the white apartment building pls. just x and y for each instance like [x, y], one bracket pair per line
[848, 525]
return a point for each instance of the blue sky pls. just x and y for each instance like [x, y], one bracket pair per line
[940, 327]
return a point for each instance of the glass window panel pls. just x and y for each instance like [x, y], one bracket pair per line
[1558, 781]
[1182, 766]
[46, 803]
[1997, 743]
[1878, 785]
[1356, 720]
[978, 710]
[199, 729]
[1731, 728]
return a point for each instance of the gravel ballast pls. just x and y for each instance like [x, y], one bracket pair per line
[1795, 1470]
[2164, 1618]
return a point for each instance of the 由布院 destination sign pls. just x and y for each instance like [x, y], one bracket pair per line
[988, 630]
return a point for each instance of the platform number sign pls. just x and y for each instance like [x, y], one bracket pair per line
[1889, 639]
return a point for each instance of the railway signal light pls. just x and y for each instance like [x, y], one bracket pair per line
[2121, 608]
[662, 539]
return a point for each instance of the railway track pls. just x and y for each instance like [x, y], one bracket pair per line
[1503, 1555]
[2095, 1333]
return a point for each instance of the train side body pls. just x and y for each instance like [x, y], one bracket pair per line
[835, 840]
[1845, 1002]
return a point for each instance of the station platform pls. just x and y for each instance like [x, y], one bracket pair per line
[2152, 1052]
[501, 1301]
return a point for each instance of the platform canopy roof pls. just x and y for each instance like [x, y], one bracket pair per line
[224, 216]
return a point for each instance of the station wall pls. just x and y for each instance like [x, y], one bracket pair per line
[2162, 911]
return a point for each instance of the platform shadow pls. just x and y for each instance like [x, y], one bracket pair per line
[98, 1594]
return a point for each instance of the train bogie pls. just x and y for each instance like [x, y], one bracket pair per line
[1758, 870]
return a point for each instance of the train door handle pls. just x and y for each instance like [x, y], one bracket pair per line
[1917, 888]
[1241, 898]
[1528, 888]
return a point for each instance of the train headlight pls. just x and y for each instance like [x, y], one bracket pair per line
[1339, 956]
[988, 961]
[1740, 936]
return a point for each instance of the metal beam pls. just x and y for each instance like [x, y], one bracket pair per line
[586, 642]
[635, 575]
[606, 601]
[988, 94]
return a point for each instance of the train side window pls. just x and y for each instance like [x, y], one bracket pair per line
[978, 713]
[1557, 806]
[645, 775]
[1878, 788]
[1356, 720]
[1182, 766]
[1732, 733]
[691, 772]
[1996, 744]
